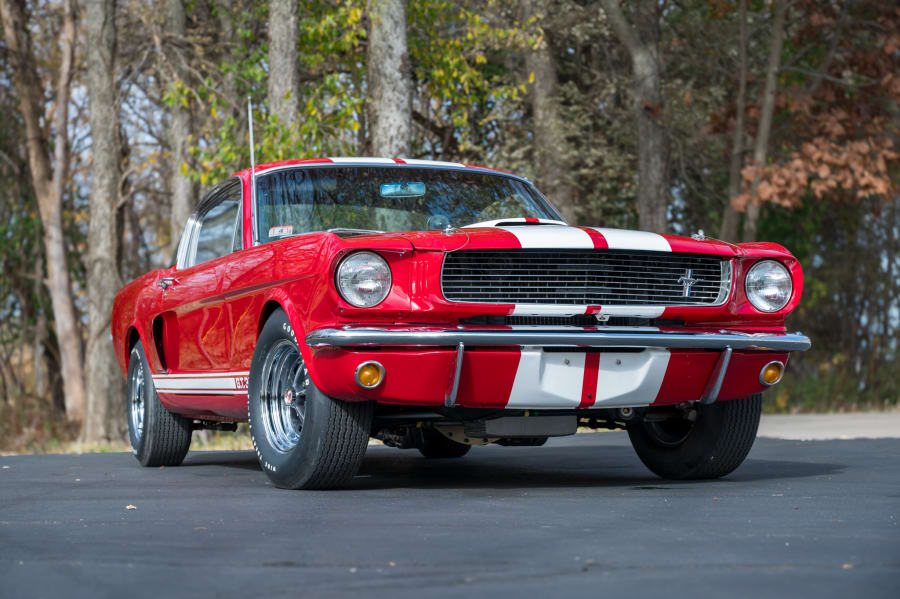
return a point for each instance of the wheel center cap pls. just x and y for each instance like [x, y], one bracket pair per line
[289, 398]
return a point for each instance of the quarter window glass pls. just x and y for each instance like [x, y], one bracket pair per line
[217, 230]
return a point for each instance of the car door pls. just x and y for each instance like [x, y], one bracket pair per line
[191, 303]
[247, 278]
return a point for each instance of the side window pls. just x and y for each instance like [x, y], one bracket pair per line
[237, 242]
[216, 235]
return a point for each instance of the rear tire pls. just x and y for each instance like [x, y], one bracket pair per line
[711, 447]
[434, 445]
[303, 438]
[158, 437]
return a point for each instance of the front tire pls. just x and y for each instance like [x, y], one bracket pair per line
[158, 437]
[303, 438]
[712, 446]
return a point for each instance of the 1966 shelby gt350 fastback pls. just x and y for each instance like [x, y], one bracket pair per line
[437, 306]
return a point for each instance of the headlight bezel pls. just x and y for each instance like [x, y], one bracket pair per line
[352, 296]
[753, 295]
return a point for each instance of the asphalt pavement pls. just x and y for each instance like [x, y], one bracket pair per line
[577, 517]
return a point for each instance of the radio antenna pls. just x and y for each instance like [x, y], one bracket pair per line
[252, 155]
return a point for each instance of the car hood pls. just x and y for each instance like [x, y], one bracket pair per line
[559, 236]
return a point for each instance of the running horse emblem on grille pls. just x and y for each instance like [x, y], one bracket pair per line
[687, 281]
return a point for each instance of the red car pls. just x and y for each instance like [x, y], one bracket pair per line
[436, 306]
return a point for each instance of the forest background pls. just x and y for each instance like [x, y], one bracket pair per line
[748, 119]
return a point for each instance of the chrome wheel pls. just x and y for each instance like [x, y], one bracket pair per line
[136, 401]
[285, 382]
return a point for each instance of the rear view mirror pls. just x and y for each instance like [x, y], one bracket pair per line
[402, 190]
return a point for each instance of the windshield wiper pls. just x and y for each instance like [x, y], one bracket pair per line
[512, 222]
[349, 231]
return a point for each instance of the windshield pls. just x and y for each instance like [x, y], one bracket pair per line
[300, 200]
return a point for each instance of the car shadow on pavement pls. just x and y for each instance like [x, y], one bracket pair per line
[757, 470]
[554, 467]
[507, 468]
[245, 460]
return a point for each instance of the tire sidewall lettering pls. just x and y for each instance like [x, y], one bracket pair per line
[269, 459]
[287, 328]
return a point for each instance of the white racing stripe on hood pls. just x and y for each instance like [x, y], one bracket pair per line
[622, 239]
[350, 160]
[416, 162]
[550, 237]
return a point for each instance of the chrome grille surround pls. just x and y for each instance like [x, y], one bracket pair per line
[586, 277]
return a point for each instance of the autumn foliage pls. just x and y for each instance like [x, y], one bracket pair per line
[836, 137]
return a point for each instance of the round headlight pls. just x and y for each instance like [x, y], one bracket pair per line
[768, 285]
[364, 279]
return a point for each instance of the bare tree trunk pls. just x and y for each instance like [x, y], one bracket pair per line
[761, 144]
[728, 232]
[388, 79]
[182, 188]
[40, 332]
[642, 44]
[284, 77]
[550, 156]
[105, 398]
[49, 185]
[225, 15]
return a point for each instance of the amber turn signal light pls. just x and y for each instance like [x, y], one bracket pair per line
[369, 374]
[771, 373]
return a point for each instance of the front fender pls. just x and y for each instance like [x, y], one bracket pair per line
[298, 331]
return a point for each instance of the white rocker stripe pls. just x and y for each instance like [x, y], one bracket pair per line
[551, 236]
[621, 239]
[223, 384]
[200, 375]
[202, 391]
[227, 383]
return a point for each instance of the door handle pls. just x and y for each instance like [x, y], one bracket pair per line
[167, 282]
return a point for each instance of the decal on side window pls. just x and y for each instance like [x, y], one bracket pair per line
[281, 231]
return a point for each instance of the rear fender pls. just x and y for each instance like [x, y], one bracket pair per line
[144, 340]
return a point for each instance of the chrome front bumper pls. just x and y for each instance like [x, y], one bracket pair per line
[475, 337]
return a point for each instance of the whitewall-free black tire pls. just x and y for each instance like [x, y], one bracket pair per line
[303, 438]
[158, 437]
[711, 447]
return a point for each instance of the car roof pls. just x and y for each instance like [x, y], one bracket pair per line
[368, 161]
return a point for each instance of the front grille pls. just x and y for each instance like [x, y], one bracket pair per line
[585, 277]
[576, 320]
